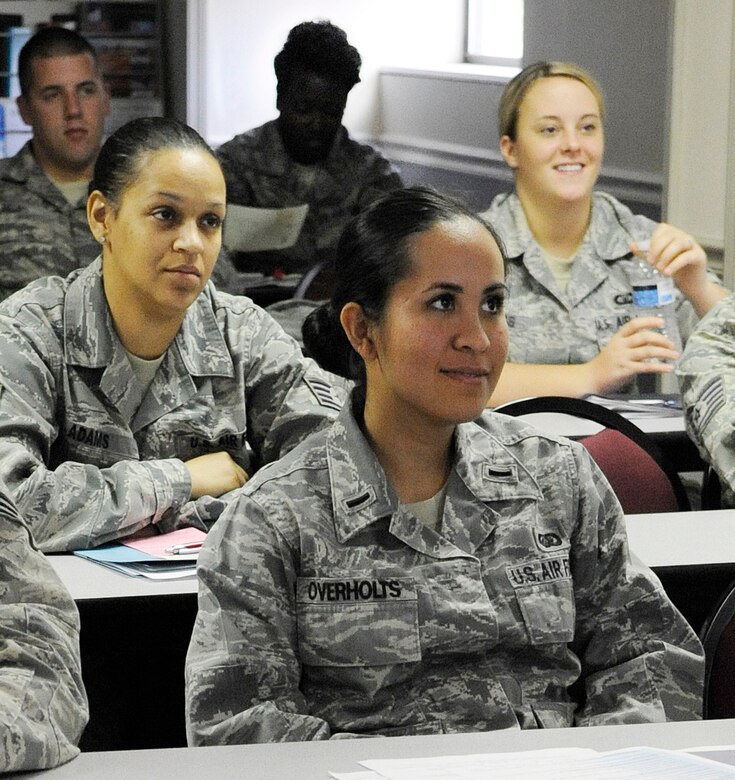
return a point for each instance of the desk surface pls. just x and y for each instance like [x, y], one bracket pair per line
[671, 539]
[314, 760]
[86, 580]
[683, 539]
[577, 427]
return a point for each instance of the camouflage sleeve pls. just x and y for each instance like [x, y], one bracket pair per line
[641, 661]
[75, 505]
[288, 395]
[43, 706]
[382, 176]
[706, 373]
[242, 668]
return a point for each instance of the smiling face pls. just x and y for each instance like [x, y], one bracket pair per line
[66, 106]
[557, 151]
[435, 355]
[162, 239]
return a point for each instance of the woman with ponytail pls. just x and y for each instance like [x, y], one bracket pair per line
[417, 568]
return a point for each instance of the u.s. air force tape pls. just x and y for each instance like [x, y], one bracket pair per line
[539, 571]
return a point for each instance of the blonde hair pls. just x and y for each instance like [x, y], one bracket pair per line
[515, 90]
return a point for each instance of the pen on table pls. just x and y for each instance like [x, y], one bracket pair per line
[179, 549]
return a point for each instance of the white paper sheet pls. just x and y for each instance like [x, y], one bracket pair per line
[554, 764]
[250, 229]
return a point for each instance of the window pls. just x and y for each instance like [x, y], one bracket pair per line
[495, 32]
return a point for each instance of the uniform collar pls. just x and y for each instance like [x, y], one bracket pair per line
[606, 241]
[91, 341]
[486, 475]
[23, 169]
[278, 163]
[22, 166]
[607, 234]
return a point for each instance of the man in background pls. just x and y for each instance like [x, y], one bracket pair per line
[43, 188]
[305, 158]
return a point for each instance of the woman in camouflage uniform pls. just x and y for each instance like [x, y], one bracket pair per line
[570, 250]
[408, 570]
[133, 387]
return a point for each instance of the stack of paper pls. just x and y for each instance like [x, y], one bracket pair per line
[638, 408]
[160, 557]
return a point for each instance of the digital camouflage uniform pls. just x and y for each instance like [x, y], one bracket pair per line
[260, 173]
[86, 459]
[546, 325]
[706, 372]
[43, 706]
[41, 233]
[325, 608]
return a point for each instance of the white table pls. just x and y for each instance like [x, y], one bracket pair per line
[313, 760]
[576, 427]
[670, 539]
[86, 580]
[686, 540]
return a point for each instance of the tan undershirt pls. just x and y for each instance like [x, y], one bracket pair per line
[144, 370]
[73, 191]
[560, 267]
[431, 510]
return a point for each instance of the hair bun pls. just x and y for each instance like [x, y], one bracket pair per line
[325, 340]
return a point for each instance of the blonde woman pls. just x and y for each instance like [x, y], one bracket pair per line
[570, 248]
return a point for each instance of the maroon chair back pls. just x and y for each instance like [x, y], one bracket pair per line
[640, 484]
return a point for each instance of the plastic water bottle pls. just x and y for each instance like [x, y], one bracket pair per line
[654, 296]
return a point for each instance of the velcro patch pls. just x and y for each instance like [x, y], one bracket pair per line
[539, 572]
[711, 400]
[311, 590]
[324, 393]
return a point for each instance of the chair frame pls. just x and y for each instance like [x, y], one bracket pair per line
[711, 489]
[710, 634]
[580, 407]
[306, 280]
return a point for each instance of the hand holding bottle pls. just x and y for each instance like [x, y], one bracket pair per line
[677, 255]
[654, 295]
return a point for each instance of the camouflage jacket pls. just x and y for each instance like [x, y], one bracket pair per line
[260, 173]
[43, 706]
[326, 608]
[87, 459]
[548, 326]
[41, 233]
[706, 373]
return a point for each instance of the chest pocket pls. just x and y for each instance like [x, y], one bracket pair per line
[543, 591]
[357, 621]
[457, 615]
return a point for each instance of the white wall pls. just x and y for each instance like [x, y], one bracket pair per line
[38, 10]
[697, 170]
[237, 93]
